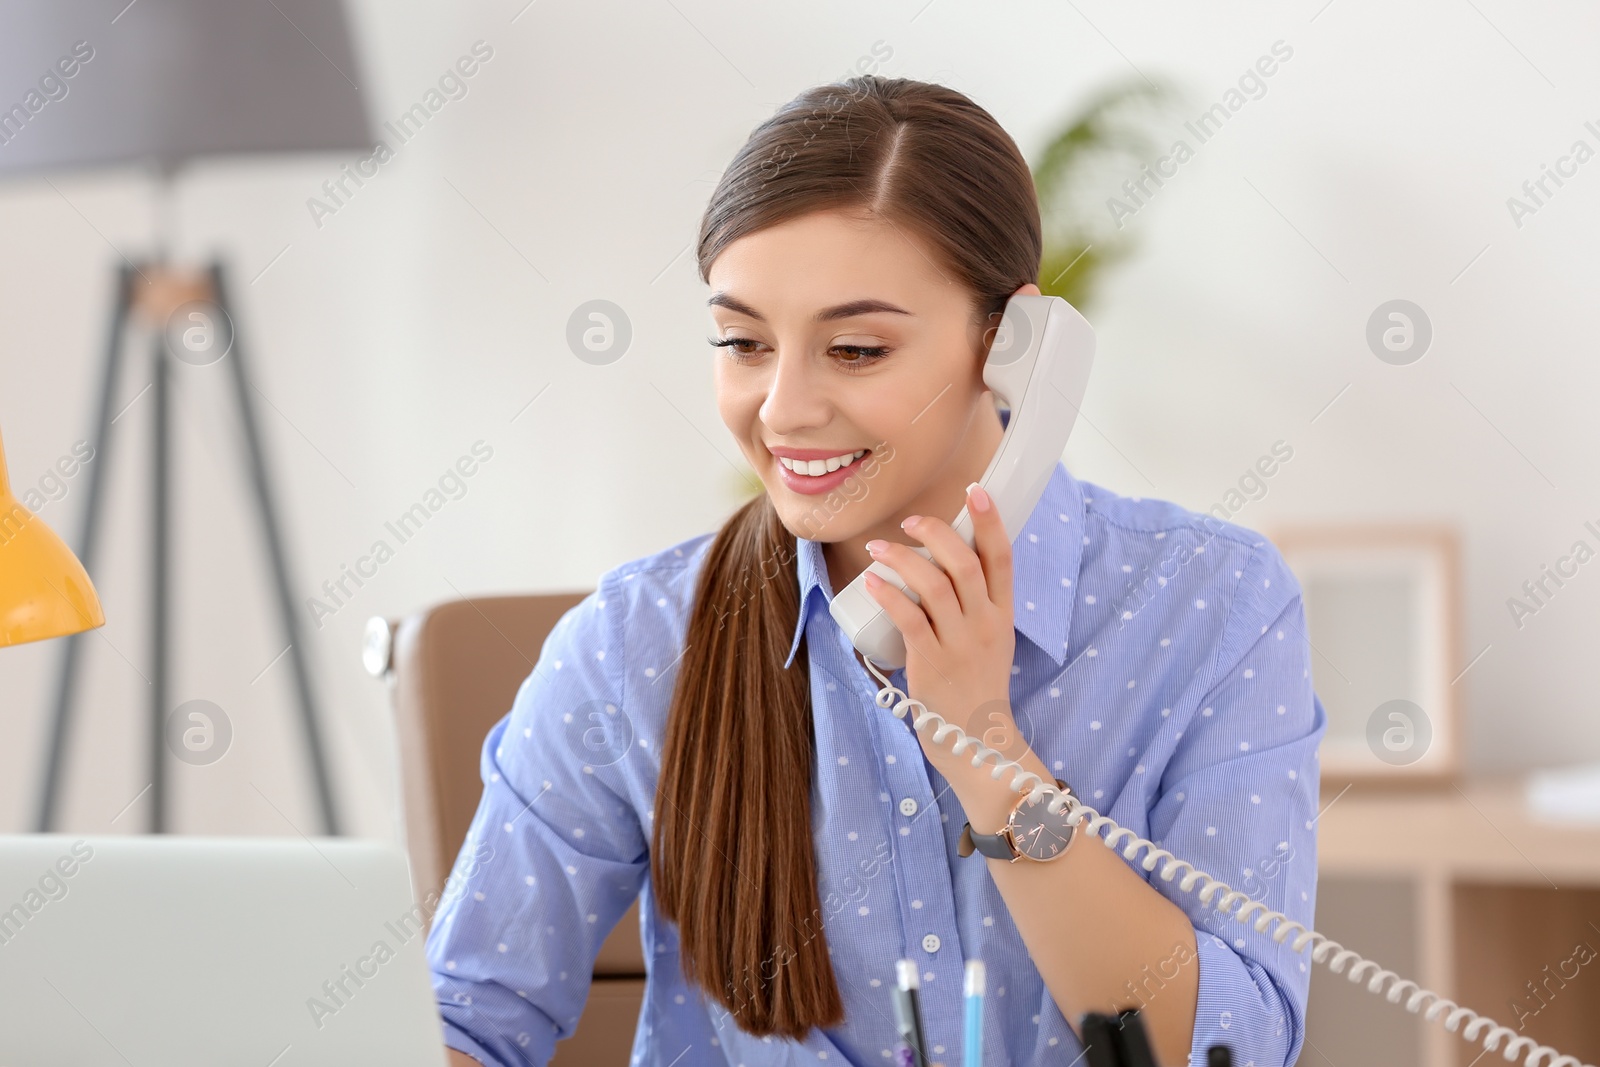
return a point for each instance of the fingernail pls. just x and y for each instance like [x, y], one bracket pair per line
[910, 522]
[874, 546]
[979, 498]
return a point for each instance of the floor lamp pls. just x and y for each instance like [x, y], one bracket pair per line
[159, 84]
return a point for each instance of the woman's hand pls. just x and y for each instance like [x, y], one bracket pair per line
[960, 639]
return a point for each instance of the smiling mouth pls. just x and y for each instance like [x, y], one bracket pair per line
[816, 468]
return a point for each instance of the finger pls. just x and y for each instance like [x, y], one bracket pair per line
[963, 566]
[907, 616]
[924, 578]
[981, 575]
[994, 545]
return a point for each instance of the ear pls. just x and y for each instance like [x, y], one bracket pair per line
[1030, 289]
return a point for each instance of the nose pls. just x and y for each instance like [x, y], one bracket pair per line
[796, 398]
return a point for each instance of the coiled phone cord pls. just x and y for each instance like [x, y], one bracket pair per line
[899, 704]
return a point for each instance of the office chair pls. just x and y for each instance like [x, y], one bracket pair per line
[453, 671]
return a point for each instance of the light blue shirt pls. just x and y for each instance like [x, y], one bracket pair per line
[1161, 669]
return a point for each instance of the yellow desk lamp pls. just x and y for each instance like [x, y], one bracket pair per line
[44, 590]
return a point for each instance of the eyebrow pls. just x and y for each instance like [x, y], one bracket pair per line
[838, 311]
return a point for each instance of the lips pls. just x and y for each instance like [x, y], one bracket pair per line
[812, 484]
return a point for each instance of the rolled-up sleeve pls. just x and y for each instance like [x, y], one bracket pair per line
[555, 854]
[1239, 801]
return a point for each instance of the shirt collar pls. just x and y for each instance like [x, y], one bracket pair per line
[1045, 557]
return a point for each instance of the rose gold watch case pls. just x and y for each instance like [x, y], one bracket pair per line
[1009, 830]
[966, 847]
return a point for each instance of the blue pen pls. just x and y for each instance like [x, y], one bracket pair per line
[972, 987]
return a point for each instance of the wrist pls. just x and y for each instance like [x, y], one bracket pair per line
[987, 801]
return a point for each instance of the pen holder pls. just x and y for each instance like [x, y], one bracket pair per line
[1120, 1040]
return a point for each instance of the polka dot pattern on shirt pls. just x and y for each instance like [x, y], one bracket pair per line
[1160, 668]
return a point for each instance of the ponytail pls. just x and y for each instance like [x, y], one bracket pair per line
[732, 860]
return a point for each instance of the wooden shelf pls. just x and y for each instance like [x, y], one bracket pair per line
[1459, 890]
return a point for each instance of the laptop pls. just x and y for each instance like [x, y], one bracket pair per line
[210, 952]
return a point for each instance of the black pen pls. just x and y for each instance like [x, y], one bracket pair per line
[908, 1017]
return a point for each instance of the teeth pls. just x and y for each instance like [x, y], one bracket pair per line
[815, 468]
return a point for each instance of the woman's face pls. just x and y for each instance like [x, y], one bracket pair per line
[851, 337]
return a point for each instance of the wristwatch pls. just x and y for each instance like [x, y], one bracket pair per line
[1030, 831]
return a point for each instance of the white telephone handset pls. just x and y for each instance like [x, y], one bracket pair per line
[1039, 366]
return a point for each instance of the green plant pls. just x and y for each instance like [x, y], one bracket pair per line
[1106, 138]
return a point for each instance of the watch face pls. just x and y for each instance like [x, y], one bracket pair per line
[1038, 834]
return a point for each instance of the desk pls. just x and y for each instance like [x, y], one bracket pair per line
[1460, 891]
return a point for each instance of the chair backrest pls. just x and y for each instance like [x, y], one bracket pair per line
[454, 670]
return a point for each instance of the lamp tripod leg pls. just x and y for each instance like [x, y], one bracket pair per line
[66, 680]
[160, 576]
[280, 570]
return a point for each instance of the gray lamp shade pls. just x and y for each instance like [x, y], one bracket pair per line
[100, 83]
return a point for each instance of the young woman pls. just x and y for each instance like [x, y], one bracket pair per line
[700, 730]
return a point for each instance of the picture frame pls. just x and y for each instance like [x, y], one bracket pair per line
[1382, 606]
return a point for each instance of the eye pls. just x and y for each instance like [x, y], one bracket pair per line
[859, 356]
[864, 356]
[734, 345]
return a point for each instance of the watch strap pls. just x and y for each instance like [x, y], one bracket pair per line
[995, 846]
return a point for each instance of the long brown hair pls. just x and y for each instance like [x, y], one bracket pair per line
[732, 859]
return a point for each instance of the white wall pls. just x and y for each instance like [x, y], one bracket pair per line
[426, 313]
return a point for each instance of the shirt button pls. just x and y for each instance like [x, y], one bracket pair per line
[930, 943]
[908, 806]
